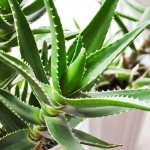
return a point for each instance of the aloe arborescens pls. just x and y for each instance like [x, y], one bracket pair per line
[59, 82]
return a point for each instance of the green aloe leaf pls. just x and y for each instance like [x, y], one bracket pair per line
[59, 130]
[73, 75]
[10, 121]
[131, 18]
[96, 111]
[141, 82]
[33, 7]
[115, 70]
[25, 92]
[100, 60]
[28, 74]
[78, 48]
[8, 81]
[18, 140]
[123, 28]
[135, 93]
[44, 56]
[137, 101]
[98, 27]
[73, 121]
[36, 15]
[22, 109]
[28, 47]
[5, 25]
[5, 73]
[4, 4]
[90, 140]
[12, 42]
[109, 101]
[94, 34]
[58, 58]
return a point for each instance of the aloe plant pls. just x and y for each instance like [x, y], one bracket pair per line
[58, 101]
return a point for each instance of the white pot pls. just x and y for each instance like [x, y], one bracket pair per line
[145, 3]
[57, 147]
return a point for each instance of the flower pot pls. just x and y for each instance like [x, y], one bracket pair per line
[57, 147]
[145, 3]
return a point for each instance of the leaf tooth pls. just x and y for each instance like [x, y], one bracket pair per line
[12, 110]
[53, 17]
[10, 133]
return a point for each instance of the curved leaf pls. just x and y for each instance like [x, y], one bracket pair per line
[28, 74]
[22, 109]
[73, 75]
[109, 101]
[28, 47]
[90, 140]
[135, 93]
[58, 57]
[100, 60]
[94, 34]
[18, 140]
[33, 7]
[58, 128]
[96, 111]
[9, 120]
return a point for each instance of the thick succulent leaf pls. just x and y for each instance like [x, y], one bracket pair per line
[36, 15]
[5, 73]
[115, 70]
[58, 58]
[59, 130]
[105, 111]
[17, 91]
[28, 47]
[98, 27]
[96, 111]
[9, 120]
[78, 48]
[123, 28]
[5, 25]
[141, 82]
[33, 100]
[100, 60]
[33, 7]
[131, 18]
[4, 4]
[8, 81]
[24, 92]
[18, 140]
[73, 121]
[94, 34]
[28, 74]
[44, 56]
[20, 108]
[109, 101]
[90, 140]
[12, 42]
[135, 93]
[73, 75]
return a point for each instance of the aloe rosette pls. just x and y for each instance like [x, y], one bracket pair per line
[58, 102]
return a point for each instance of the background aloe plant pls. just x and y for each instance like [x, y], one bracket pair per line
[128, 70]
[59, 82]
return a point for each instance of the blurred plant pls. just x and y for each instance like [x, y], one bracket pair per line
[128, 69]
[58, 101]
